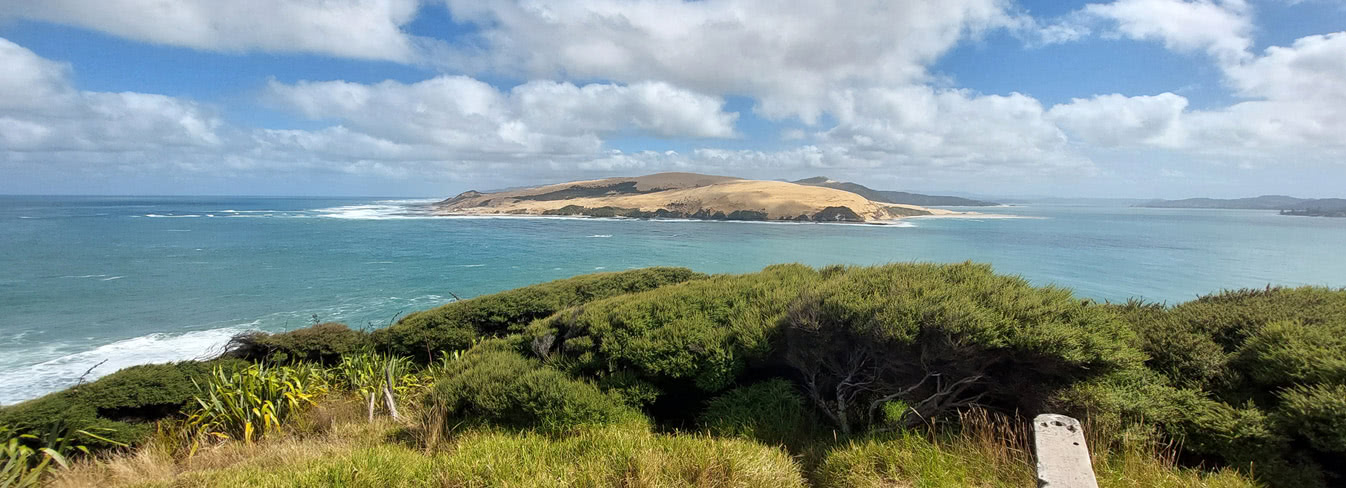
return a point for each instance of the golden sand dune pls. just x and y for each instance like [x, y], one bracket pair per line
[682, 195]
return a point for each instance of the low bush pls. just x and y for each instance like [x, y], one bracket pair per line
[121, 407]
[771, 412]
[1258, 377]
[939, 337]
[492, 384]
[695, 338]
[322, 343]
[455, 326]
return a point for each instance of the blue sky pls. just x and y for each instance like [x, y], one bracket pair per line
[1129, 98]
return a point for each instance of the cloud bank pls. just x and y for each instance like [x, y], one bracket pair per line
[850, 85]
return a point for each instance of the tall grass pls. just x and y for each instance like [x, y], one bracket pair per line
[991, 450]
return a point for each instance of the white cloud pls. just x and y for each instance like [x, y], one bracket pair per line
[365, 29]
[1295, 109]
[41, 111]
[921, 127]
[461, 115]
[1222, 28]
[1314, 67]
[787, 55]
[1117, 120]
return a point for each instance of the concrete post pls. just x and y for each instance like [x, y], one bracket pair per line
[1063, 458]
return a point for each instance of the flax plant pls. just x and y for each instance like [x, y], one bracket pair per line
[250, 403]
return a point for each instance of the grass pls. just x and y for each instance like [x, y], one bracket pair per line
[359, 455]
[989, 451]
[338, 447]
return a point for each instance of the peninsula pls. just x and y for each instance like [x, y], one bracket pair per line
[684, 196]
[900, 197]
[1287, 205]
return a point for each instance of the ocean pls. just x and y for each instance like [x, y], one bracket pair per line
[89, 285]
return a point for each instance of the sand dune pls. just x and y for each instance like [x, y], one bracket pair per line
[685, 195]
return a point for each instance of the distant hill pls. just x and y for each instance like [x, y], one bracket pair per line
[1322, 207]
[683, 196]
[898, 197]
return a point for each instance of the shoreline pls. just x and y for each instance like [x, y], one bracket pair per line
[936, 214]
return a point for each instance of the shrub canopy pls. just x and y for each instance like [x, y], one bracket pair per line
[493, 384]
[456, 325]
[322, 343]
[909, 331]
[121, 407]
[1252, 378]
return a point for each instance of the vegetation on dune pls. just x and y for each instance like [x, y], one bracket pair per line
[897, 375]
[324, 343]
[457, 325]
[937, 337]
[493, 385]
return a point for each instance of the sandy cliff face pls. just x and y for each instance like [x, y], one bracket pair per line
[681, 195]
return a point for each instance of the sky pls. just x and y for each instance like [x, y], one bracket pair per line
[428, 98]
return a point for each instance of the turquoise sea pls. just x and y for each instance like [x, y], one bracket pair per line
[116, 281]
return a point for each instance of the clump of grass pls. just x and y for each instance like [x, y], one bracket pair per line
[369, 374]
[247, 404]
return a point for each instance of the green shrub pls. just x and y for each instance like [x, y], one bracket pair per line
[1200, 343]
[942, 338]
[938, 336]
[120, 407]
[1318, 414]
[456, 325]
[495, 385]
[771, 412]
[1256, 371]
[322, 343]
[699, 334]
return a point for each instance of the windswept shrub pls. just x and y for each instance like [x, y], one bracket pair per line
[1264, 369]
[700, 334]
[939, 337]
[456, 325]
[494, 385]
[1317, 414]
[771, 412]
[120, 408]
[322, 343]
[944, 337]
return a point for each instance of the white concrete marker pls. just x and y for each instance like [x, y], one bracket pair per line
[1063, 459]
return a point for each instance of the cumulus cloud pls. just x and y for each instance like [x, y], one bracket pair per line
[919, 126]
[463, 115]
[1117, 120]
[41, 111]
[787, 55]
[1295, 107]
[1222, 28]
[365, 29]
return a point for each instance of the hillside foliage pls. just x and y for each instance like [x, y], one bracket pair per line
[792, 376]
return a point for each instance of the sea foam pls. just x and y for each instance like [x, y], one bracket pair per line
[35, 380]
